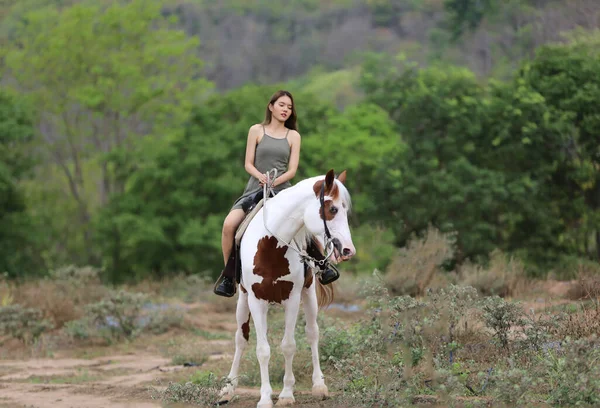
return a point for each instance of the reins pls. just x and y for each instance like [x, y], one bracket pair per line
[304, 256]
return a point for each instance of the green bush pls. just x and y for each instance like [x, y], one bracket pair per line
[25, 324]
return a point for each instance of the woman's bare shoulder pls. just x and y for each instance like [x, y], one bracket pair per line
[294, 134]
[256, 127]
[255, 131]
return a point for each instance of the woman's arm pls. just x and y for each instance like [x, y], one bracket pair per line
[294, 137]
[253, 134]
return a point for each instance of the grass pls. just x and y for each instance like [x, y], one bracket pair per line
[82, 376]
[211, 335]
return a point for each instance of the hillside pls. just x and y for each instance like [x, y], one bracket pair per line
[253, 41]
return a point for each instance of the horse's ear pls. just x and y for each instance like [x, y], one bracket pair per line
[342, 177]
[329, 177]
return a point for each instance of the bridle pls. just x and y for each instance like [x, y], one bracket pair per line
[304, 256]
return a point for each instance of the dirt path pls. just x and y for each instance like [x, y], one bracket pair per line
[115, 381]
[121, 379]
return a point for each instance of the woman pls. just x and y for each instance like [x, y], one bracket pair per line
[275, 143]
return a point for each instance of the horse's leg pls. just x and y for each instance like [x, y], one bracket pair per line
[288, 348]
[258, 309]
[242, 315]
[309, 298]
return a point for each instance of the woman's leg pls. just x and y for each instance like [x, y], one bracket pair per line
[225, 285]
[232, 221]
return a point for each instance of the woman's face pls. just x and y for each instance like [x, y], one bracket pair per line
[281, 108]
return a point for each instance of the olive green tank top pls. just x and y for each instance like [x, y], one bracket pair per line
[271, 152]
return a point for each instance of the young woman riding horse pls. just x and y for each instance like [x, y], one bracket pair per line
[275, 143]
[273, 252]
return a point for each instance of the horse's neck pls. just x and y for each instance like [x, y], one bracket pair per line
[285, 214]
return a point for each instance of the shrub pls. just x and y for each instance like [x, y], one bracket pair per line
[414, 268]
[503, 276]
[123, 314]
[25, 324]
[202, 389]
[501, 316]
[63, 294]
[588, 282]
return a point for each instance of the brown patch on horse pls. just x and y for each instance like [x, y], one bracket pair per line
[271, 264]
[243, 288]
[328, 214]
[246, 328]
[333, 192]
[308, 277]
[331, 188]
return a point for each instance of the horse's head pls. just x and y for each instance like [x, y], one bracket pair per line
[327, 215]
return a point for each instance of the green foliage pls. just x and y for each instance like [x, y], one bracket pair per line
[25, 324]
[574, 375]
[363, 128]
[123, 309]
[202, 389]
[466, 15]
[566, 77]
[500, 316]
[440, 114]
[124, 315]
[171, 213]
[18, 241]
[487, 161]
[138, 167]
[439, 349]
[128, 76]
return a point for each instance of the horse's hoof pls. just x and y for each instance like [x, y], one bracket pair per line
[320, 391]
[284, 402]
[226, 395]
[268, 404]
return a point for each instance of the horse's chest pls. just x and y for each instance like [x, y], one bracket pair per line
[270, 264]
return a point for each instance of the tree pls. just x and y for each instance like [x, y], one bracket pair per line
[566, 75]
[103, 78]
[169, 218]
[466, 15]
[439, 113]
[482, 160]
[356, 140]
[18, 251]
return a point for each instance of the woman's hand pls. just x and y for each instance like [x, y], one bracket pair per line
[262, 179]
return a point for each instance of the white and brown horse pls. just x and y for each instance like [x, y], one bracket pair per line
[272, 272]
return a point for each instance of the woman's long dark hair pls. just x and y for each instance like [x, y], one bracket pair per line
[292, 121]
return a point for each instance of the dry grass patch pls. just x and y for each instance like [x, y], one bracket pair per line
[588, 283]
[61, 296]
[416, 267]
[504, 276]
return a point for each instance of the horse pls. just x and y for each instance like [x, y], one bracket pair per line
[272, 251]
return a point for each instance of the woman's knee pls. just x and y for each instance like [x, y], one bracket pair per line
[230, 224]
[228, 227]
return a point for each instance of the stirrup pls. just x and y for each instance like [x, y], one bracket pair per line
[224, 286]
[329, 274]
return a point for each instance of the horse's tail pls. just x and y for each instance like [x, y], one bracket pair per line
[325, 294]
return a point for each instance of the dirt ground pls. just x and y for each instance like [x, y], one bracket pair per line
[122, 375]
[127, 375]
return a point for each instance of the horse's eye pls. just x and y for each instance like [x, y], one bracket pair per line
[333, 210]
